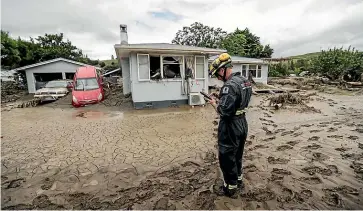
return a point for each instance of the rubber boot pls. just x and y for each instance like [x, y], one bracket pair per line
[240, 184]
[225, 190]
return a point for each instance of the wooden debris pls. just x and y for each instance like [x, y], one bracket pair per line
[286, 98]
[273, 91]
[30, 103]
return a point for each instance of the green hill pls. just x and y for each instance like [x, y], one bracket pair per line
[108, 62]
[305, 56]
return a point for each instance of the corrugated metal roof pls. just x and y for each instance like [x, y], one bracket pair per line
[167, 46]
[51, 61]
[241, 59]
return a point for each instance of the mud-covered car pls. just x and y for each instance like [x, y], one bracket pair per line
[54, 90]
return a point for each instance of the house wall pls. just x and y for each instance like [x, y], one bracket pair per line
[56, 67]
[163, 91]
[264, 75]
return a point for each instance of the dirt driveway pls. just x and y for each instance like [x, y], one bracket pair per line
[166, 159]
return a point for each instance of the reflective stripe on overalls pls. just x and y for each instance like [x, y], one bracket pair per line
[240, 112]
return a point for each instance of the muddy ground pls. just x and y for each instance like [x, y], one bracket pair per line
[298, 157]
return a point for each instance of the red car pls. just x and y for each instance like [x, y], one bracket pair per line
[88, 87]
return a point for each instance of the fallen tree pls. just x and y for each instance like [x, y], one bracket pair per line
[278, 101]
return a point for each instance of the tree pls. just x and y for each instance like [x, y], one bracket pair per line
[267, 52]
[53, 46]
[10, 55]
[235, 43]
[102, 64]
[111, 67]
[29, 52]
[239, 42]
[277, 70]
[18, 52]
[245, 43]
[199, 35]
[291, 65]
[336, 62]
[300, 63]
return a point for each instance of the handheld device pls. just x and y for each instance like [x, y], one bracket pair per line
[206, 95]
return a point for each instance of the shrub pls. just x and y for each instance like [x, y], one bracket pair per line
[279, 69]
[336, 62]
[102, 64]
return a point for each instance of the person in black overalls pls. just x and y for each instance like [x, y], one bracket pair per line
[234, 98]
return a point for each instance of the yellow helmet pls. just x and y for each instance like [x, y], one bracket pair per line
[223, 60]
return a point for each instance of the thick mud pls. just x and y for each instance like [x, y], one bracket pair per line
[167, 159]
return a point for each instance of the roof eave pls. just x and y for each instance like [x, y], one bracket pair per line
[250, 62]
[244, 62]
[51, 61]
[123, 48]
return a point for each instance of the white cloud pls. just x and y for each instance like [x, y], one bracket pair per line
[291, 27]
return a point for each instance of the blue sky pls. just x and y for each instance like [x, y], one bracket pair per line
[166, 15]
[290, 27]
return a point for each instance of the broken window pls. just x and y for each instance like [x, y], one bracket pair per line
[152, 67]
[155, 72]
[172, 66]
[189, 67]
[199, 67]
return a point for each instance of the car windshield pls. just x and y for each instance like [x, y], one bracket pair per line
[56, 84]
[84, 84]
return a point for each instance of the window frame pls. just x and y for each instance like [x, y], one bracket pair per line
[258, 67]
[247, 68]
[182, 65]
[138, 66]
[195, 67]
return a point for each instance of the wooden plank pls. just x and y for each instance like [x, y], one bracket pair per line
[273, 91]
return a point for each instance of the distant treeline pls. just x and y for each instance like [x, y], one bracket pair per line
[19, 52]
[332, 63]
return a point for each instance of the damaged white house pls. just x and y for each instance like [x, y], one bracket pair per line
[163, 75]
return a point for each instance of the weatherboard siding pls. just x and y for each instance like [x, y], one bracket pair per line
[56, 67]
[264, 75]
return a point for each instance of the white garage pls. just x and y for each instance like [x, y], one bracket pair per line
[40, 73]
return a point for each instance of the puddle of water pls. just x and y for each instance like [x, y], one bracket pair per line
[158, 111]
[94, 114]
